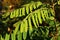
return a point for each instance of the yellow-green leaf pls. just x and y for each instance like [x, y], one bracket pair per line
[36, 18]
[2, 38]
[20, 12]
[38, 4]
[34, 21]
[30, 26]
[12, 14]
[23, 11]
[19, 35]
[27, 9]
[34, 6]
[13, 36]
[24, 35]
[22, 27]
[7, 37]
[31, 8]
[39, 17]
[25, 26]
[16, 13]
[17, 27]
[42, 14]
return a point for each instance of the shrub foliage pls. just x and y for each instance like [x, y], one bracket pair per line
[35, 20]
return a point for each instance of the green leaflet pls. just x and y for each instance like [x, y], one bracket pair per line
[51, 18]
[42, 13]
[5, 15]
[39, 17]
[23, 11]
[13, 37]
[12, 14]
[25, 26]
[16, 12]
[47, 32]
[19, 35]
[34, 21]
[34, 6]
[52, 11]
[38, 4]
[31, 8]
[30, 26]
[46, 13]
[2, 38]
[24, 35]
[27, 9]
[20, 12]
[17, 27]
[16, 23]
[51, 14]
[7, 37]
[22, 27]
[47, 16]
[51, 23]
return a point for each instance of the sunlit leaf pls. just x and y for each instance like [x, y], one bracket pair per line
[19, 35]
[34, 21]
[39, 17]
[13, 36]
[7, 37]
